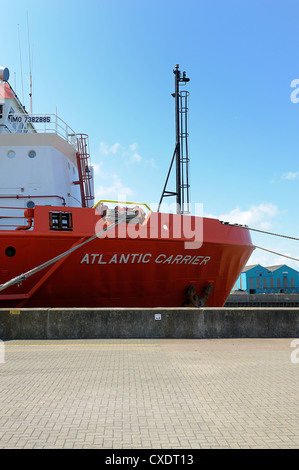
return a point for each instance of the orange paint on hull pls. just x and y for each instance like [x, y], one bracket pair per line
[153, 269]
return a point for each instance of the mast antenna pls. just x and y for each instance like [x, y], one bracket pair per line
[30, 74]
[21, 64]
[180, 155]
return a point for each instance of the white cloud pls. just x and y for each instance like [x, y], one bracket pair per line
[255, 216]
[133, 146]
[115, 190]
[151, 162]
[129, 154]
[97, 167]
[136, 157]
[291, 175]
[109, 149]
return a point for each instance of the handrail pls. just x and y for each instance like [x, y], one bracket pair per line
[40, 123]
[27, 214]
[122, 202]
[17, 196]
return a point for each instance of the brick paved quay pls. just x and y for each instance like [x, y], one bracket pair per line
[153, 394]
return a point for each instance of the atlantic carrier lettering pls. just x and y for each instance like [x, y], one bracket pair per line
[131, 258]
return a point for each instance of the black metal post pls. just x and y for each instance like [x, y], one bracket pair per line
[177, 74]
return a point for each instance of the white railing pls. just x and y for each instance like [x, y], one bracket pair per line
[41, 123]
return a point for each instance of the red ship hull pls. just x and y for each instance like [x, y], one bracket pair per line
[148, 267]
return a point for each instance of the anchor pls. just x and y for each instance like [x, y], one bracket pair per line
[194, 299]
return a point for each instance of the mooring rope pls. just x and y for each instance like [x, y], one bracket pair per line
[278, 254]
[24, 276]
[261, 231]
[267, 233]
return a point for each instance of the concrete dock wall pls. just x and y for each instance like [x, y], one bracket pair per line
[72, 323]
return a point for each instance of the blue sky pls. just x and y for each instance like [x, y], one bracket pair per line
[107, 66]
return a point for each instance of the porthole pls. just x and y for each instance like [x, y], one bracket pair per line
[30, 204]
[32, 153]
[11, 153]
[10, 251]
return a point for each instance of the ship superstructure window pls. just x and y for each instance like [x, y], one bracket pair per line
[1, 111]
[30, 204]
[10, 251]
[32, 154]
[11, 153]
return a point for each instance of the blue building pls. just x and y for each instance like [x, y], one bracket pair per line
[258, 279]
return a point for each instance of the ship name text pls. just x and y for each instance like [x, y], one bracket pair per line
[139, 258]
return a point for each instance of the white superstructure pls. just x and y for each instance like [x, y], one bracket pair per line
[42, 160]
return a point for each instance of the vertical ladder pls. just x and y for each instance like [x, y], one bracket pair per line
[84, 170]
[184, 187]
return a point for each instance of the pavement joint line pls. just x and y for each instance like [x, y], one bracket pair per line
[75, 345]
[90, 347]
[67, 345]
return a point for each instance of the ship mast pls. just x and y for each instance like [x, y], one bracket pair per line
[180, 154]
[30, 74]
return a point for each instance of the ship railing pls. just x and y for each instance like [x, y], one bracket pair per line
[41, 123]
[15, 218]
